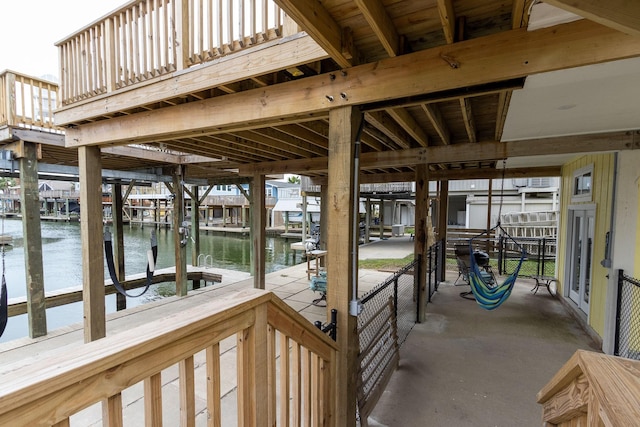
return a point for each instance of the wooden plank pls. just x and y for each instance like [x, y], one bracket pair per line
[90, 167]
[285, 380]
[622, 15]
[570, 402]
[296, 384]
[467, 118]
[272, 390]
[153, 400]
[343, 125]
[409, 124]
[435, 117]
[30, 208]
[213, 386]
[187, 393]
[497, 57]
[112, 411]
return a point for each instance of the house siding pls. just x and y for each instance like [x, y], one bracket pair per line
[602, 191]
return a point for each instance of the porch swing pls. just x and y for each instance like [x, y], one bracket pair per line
[152, 256]
[488, 293]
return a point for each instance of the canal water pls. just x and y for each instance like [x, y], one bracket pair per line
[61, 252]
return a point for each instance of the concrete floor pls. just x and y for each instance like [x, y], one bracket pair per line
[466, 366]
[463, 367]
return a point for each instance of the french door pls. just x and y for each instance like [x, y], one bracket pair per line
[581, 234]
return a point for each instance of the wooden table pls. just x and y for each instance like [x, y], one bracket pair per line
[315, 254]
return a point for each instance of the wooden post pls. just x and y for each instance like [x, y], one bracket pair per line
[421, 242]
[181, 43]
[30, 206]
[118, 234]
[381, 219]
[443, 216]
[179, 238]
[195, 224]
[90, 166]
[489, 197]
[258, 235]
[304, 217]
[367, 220]
[343, 125]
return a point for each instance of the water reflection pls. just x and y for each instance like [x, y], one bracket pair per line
[62, 264]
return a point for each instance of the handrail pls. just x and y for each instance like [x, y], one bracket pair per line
[146, 39]
[283, 361]
[593, 389]
[27, 101]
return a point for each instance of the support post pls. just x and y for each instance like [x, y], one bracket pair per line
[118, 234]
[421, 242]
[179, 232]
[195, 224]
[258, 234]
[30, 205]
[489, 197]
[367, 221]
[324, 221]
[443, 216]
[381, 219]
[90, 166]
[343, 126]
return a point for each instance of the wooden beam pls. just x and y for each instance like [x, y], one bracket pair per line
[343, 125]
[380, 22]
[467, 152]
[421, 238]
[455, 174]
[319, 24]
[266, 57]
[507, 55]
[435, 117]
[520, 13]
[388, 127]
[92, 253]
[621, 15]
[501, 117]
[118, 234]
[467, 118]
[409, 124]
[32, 235]
[448, 19]
[179, 238]
[258, 227]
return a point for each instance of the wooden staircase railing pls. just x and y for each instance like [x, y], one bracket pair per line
[593, 389]
[285, 369]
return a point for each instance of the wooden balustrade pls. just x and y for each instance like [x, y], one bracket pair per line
[149, 38]
[285, 368]
[593, 389]
[27, 101]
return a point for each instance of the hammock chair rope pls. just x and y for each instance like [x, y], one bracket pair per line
[108, 251]
[489, 294]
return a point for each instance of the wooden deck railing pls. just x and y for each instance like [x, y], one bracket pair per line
[593, 389]
[150, 38]
[27, 101]
[285, 369]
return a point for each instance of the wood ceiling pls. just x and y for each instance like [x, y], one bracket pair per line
[354, 33]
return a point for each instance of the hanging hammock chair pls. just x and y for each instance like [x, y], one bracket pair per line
[489, 294]
[152, 256]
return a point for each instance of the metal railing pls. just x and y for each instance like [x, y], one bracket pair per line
[627, 342]
[540, 259]
[150, 38]
[434, 266]
[389, 312]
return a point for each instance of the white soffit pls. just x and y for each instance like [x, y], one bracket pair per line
[597, 98]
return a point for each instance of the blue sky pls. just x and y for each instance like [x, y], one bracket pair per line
[30, 28]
